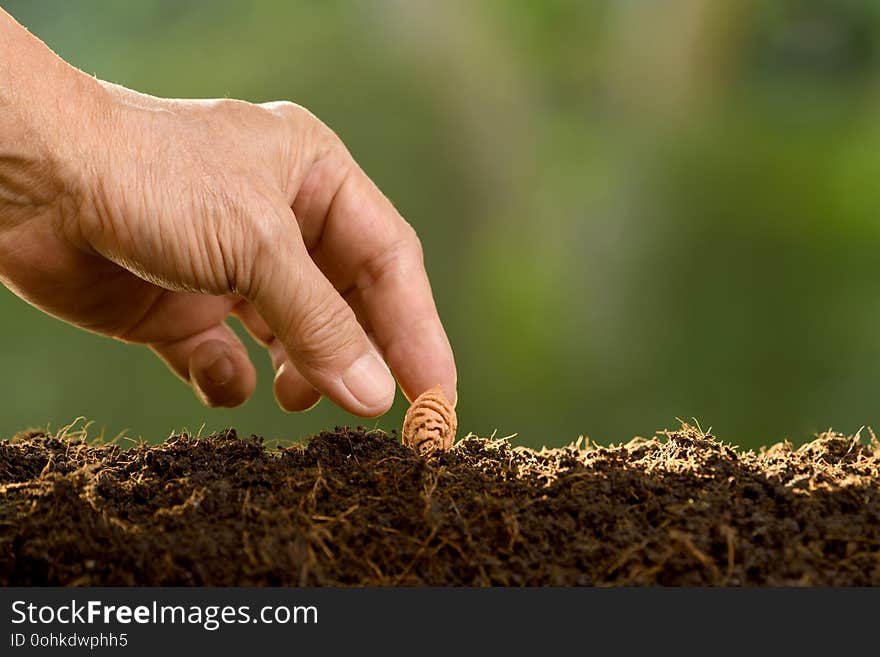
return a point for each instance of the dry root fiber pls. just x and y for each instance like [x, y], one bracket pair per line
[356, 507]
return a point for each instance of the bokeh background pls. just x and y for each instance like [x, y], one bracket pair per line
[631, 211]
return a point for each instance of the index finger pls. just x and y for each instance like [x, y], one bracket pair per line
[374, 258]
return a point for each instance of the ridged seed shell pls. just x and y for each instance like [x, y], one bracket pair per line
[430, 422]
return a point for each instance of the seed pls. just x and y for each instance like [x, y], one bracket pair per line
[430, 422]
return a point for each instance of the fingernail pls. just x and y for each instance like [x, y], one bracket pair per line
[370, 382]
[221, 371]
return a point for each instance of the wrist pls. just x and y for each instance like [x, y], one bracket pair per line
[48, 112]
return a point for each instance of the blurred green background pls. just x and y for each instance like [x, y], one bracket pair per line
[631, 211]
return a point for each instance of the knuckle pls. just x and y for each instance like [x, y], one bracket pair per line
[228, 105]
[294, 118]
[413, 242]
[308, 139]
[399, 260]
[285, 109]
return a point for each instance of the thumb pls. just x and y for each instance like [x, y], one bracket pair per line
[319, 330]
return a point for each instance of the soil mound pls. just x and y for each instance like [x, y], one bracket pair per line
[355, 507]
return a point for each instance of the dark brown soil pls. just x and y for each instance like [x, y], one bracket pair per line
[355, 507]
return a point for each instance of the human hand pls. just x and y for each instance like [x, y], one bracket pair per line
[153, 220]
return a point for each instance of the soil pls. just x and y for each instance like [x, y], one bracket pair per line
[355, 507]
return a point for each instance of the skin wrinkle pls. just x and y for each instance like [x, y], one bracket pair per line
[207, 264]
[389, 262]
[19, 185]
[227, 261]
[97, 227]
[254, 227]
[320, 318]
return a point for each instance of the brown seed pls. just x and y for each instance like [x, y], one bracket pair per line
[430, 422]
